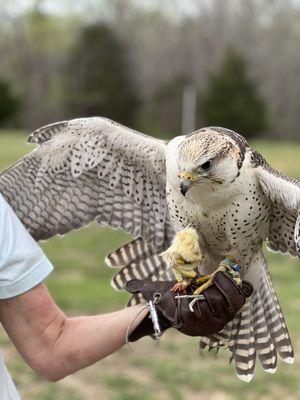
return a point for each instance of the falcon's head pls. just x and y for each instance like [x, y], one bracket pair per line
[211, 156]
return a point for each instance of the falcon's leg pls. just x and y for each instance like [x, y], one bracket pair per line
[202, 279]
[207, 280]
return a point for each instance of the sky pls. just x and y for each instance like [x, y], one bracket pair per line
[174, 8]
[63, 6]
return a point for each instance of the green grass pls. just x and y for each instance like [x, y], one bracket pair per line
[81, 284]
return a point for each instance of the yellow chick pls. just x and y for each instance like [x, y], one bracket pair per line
[183, 256]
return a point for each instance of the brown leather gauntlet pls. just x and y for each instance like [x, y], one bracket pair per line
[221, 303]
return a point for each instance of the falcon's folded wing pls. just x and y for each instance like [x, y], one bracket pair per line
[284, 192]
[90, 169]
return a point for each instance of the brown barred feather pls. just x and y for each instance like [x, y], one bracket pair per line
[81, 173]
[131, 252]
[259, 330]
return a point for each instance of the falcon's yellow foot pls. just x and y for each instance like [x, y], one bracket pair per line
[237, 280]
[202, 279]
[207, 283]
[179, 287]
[207, 280]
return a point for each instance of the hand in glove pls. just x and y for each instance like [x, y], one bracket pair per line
[209, 314]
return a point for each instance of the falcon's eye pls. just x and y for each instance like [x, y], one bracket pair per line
[206, 165]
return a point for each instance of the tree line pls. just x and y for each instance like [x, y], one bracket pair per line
[132, 63]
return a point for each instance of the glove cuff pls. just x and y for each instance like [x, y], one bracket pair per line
[145, 327]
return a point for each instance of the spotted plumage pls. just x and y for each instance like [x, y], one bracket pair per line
[95, 169]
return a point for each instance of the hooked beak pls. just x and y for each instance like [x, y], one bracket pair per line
[184, 186]
[186, 181]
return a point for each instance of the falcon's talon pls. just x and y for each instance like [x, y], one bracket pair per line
[204, 286]
[226, 265]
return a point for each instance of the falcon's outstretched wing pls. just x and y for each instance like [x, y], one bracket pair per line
[284, 192]
[91, 169]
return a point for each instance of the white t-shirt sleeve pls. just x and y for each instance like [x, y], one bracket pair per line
[8, 390]
[22, 262]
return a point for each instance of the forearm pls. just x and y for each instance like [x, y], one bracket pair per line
[86, 340]
[54, 345]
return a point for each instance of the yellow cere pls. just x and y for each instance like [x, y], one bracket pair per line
[188, 176]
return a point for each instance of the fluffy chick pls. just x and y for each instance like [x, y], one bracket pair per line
[183, 256]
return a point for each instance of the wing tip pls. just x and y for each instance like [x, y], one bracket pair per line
[32, 139]
[46, 132]
[108, 261]
[114, 284]
[270, 370]
[289, 360]
[245, 377]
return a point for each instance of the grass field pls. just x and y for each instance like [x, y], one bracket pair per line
[81, 284]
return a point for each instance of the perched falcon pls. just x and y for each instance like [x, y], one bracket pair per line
[95, 169]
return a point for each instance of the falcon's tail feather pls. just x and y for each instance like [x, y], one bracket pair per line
[131, 252]
[259, 329]
[138, 261]
[241, 345]
[263, 339]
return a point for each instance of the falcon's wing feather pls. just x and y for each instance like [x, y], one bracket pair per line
[90, 169]
[284, 192]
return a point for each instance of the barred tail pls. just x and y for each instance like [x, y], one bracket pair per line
[258, 330]
[129, 253]
[138, 261]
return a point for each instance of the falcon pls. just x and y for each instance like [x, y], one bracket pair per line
[95, 169]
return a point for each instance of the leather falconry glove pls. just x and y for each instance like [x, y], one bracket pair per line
[208, 314]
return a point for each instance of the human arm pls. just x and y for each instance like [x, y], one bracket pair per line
[55, 345]
[51, 343]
